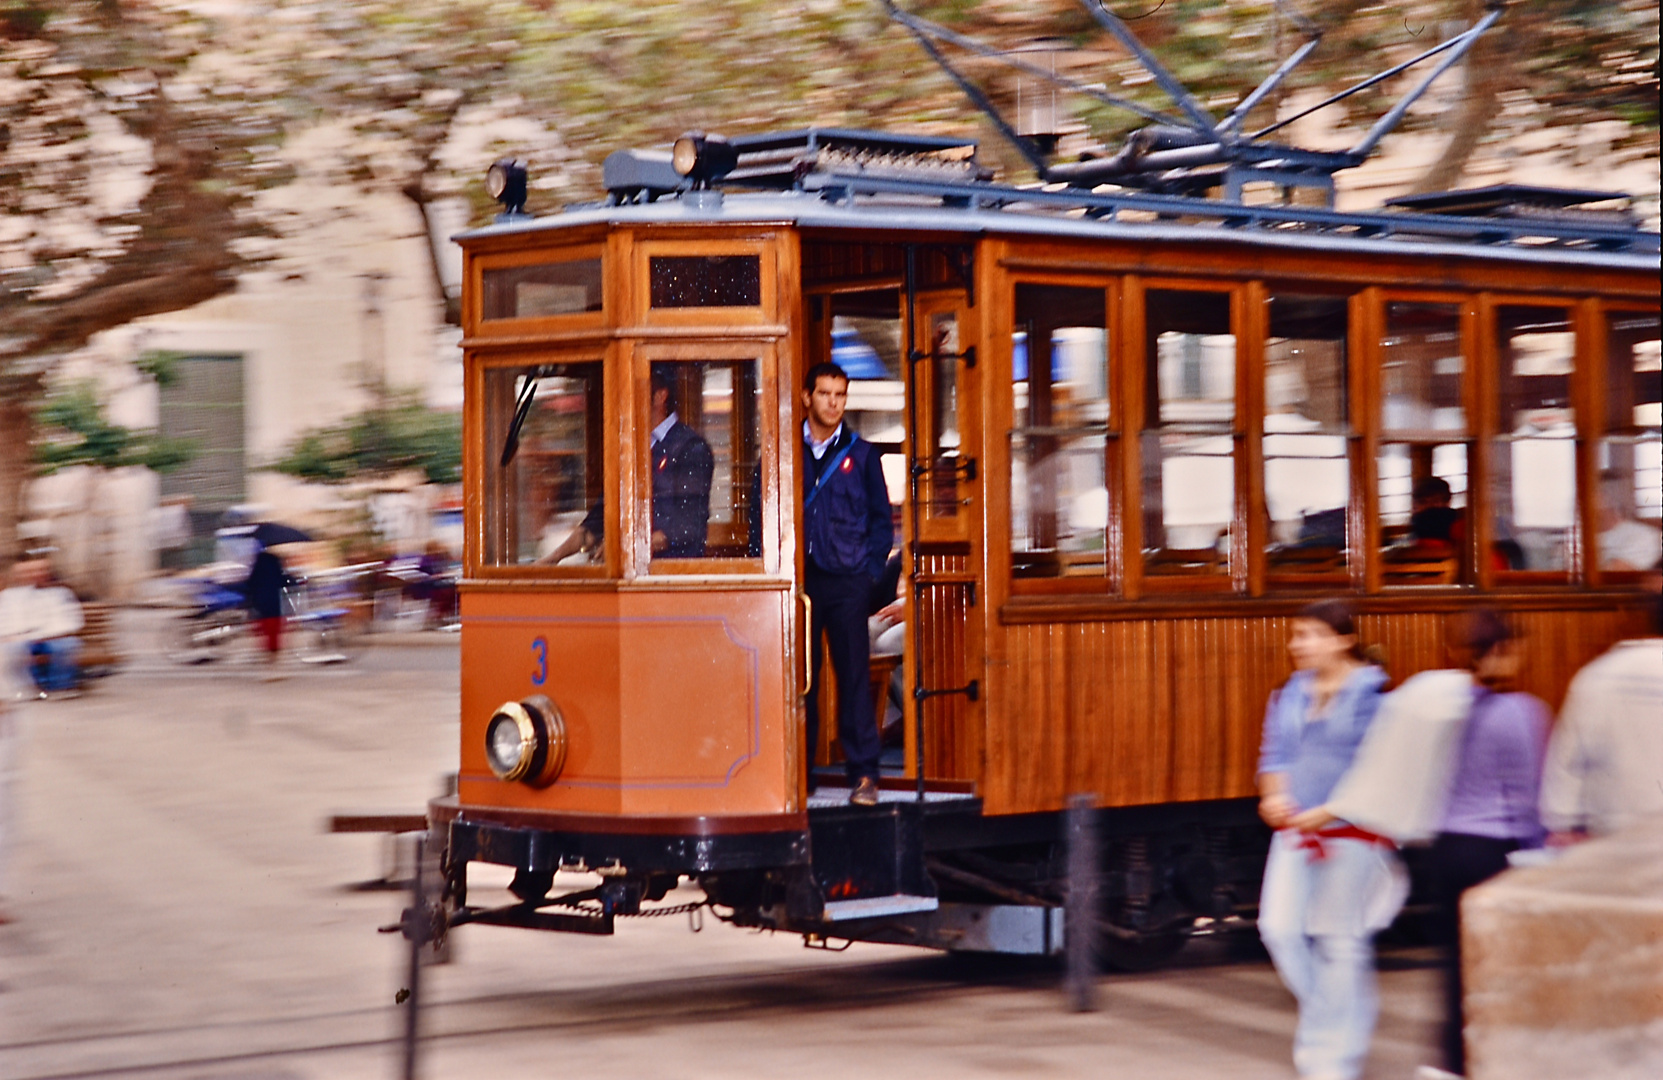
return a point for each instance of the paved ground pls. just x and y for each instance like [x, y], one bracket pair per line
[182, 915]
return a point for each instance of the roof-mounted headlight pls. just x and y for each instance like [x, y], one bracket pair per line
[703, 158]
[526, 741]
[505, 181]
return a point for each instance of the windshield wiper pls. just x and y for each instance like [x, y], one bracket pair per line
[522, 409]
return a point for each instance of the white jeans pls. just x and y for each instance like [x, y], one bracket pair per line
[1318, 918]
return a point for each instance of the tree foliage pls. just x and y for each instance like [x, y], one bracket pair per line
[399, 436]
[76, 430]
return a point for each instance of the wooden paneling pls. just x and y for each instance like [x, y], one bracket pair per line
[952, 735]
[1163, 710]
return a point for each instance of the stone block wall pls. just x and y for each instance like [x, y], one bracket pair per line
[1564, 965]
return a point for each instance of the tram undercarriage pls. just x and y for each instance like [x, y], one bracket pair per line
[935, 874]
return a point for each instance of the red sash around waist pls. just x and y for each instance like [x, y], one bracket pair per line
[1315, 843]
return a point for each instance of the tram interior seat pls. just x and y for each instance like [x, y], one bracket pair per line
[882, 667]
[1206, 560]
[1421, 562]
[1050, 564]
[1307, 558]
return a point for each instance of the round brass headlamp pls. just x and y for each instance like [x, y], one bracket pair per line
[510, 741]
[526, 741]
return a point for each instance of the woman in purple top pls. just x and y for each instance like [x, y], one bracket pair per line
[1491, 808]
[1328, 887]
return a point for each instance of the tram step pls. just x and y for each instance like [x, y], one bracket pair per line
[874, 907]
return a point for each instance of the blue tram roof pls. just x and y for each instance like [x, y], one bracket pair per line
[1035, 213]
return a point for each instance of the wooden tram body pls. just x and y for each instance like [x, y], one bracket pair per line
[1076, 622]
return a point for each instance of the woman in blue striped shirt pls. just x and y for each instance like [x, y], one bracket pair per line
[1328, 890]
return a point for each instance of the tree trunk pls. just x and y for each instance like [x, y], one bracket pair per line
[1483, 73]
[18, 396]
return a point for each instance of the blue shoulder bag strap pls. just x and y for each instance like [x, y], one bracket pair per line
[825, 474]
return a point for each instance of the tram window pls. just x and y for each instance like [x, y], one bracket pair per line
[866, 342]
[1533, 464]
[943, 435]
[1422, 461]
[1059, 373]
[686, 281]
[547, 421]
[1421, 370]
[1307, 468]
[704, 461]
[1630, 456]
[1188, 442]
[542, 289]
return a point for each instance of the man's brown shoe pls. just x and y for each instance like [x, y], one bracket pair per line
[865, 793]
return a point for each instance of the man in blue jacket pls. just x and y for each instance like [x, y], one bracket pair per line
[848, 533]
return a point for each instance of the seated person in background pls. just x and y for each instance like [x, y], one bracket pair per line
[1624, 543]
[1432, 518]
[1322, 528]
[42, 618]
[886, 623]
[682, 466]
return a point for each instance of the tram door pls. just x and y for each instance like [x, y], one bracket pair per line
[912, 397]
[942, 527]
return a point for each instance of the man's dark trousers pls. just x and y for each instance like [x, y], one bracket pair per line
[840, 608]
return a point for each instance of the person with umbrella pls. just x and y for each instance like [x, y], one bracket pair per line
[264, 587]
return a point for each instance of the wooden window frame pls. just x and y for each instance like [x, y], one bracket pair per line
[1489, 435]
[479, 466]
[508, 260]
[645, 249]
[1244, 321]
[638, 558]
[1369, 377]
[1262, 580]
[1592, 424]
[1111, 583]
[939, 528]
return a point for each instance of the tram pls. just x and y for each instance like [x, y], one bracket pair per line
[1127, 435]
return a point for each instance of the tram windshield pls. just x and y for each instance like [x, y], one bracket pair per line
[544, 461]
[698, 457]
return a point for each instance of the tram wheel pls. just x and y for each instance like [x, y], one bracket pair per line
[1115, 950]
[1144, 940]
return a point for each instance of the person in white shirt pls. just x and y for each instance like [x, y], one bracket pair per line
[1625, 543]
[1604, 766]
[41, 620]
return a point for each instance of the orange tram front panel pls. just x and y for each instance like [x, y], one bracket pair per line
[674, 702]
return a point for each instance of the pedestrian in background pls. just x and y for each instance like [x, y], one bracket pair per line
[1605, 761]
[1490, 809]
[42, 617]
[1328, 886]
[264, 592]
[16, 686]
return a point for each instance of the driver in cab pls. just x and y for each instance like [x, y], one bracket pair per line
[682, 465]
